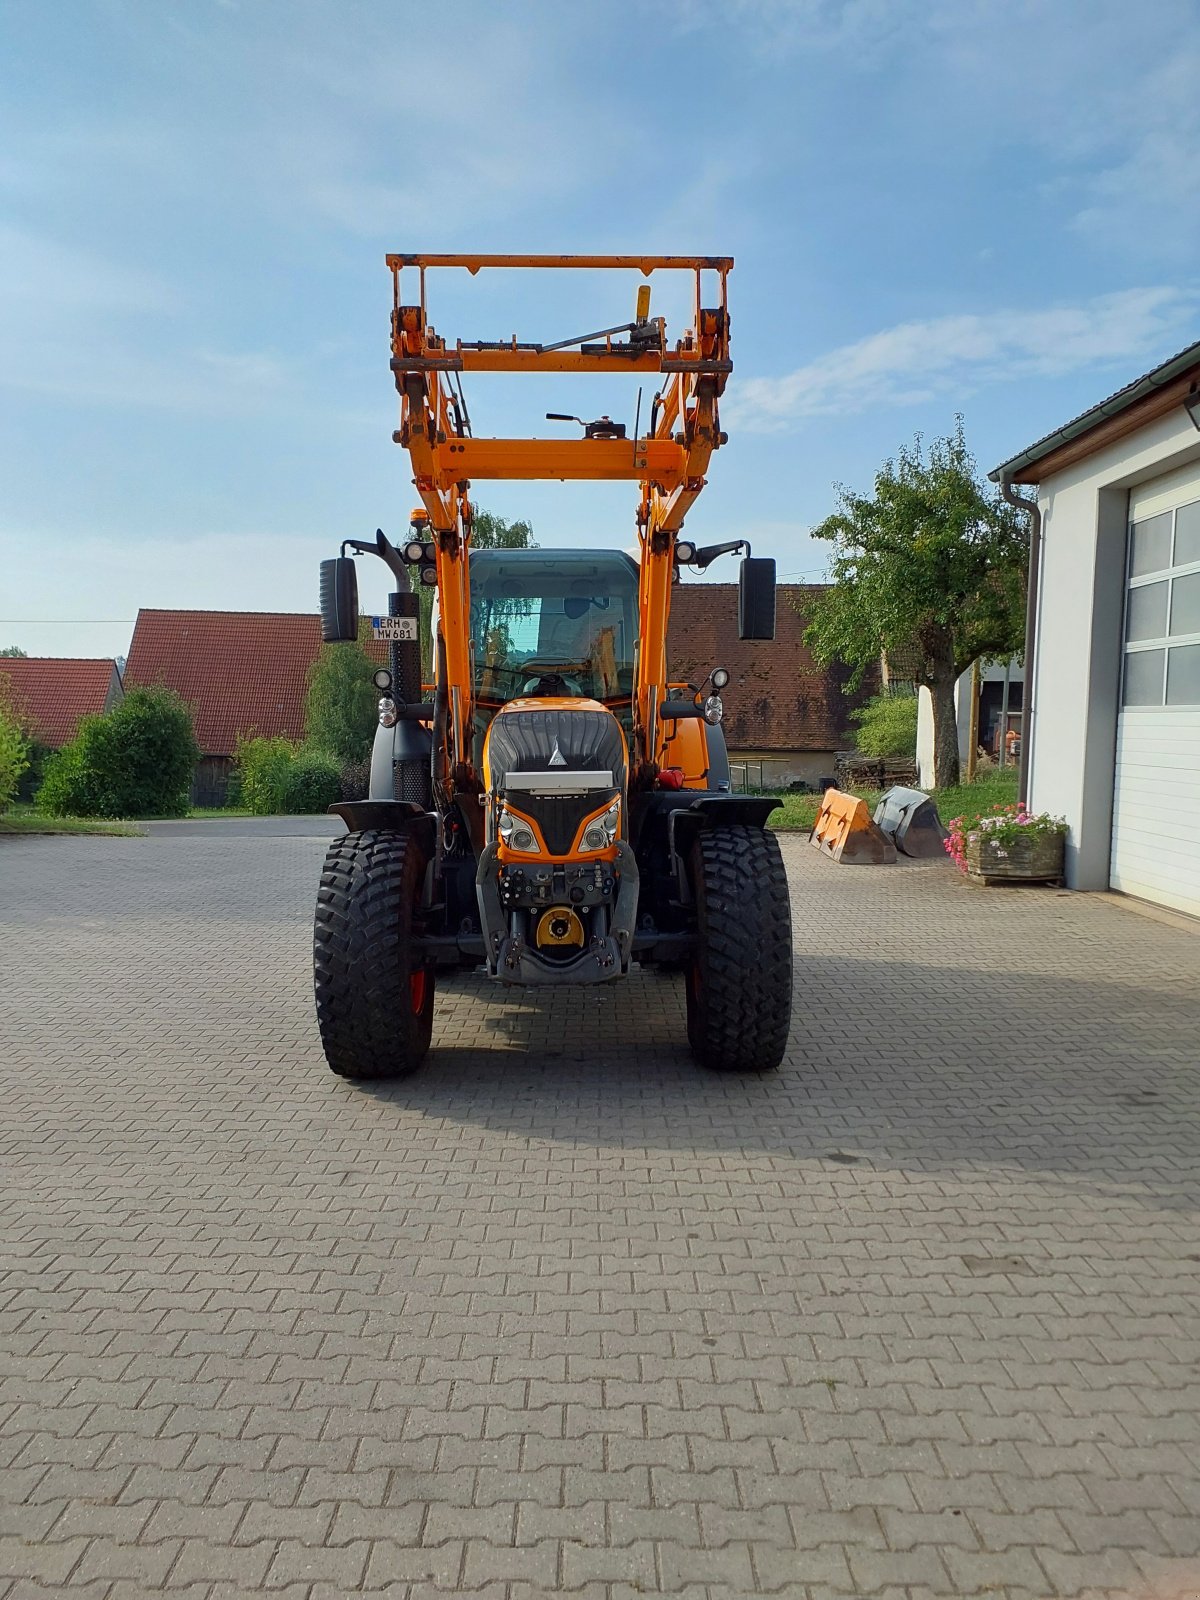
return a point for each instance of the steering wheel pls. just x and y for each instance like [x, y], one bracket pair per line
[551, 677]
[552, 683]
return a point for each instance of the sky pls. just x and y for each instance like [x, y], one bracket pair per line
[936, 206]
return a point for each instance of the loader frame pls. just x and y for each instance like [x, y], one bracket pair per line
[668, 463]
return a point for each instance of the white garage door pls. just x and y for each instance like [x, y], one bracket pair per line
[1156, 810]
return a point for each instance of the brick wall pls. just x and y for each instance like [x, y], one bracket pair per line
[778, 699]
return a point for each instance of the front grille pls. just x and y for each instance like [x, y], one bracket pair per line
[558, 816]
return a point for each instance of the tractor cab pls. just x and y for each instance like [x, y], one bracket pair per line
[559, 623]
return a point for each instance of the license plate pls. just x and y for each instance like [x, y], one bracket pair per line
[392, 628]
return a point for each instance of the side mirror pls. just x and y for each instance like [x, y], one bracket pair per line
[339, 601]
[756, 598]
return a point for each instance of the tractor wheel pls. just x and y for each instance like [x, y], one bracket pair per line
[739, 983]
[374, 1002]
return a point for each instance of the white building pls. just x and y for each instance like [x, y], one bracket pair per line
[995, 711]
[1112, 724]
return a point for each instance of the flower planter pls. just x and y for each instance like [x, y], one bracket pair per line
[1034, 859]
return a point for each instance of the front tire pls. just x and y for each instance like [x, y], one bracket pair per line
[739, 983]
[374, 997]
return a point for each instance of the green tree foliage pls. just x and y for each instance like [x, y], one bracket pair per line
[488, 532]
[931, 565]
[14, 650]
[262, 767]
[134, 761]
[313, 783]
[14, 755]
[341, 709]
[887, 725]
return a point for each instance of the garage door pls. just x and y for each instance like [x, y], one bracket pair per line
[1156, 809]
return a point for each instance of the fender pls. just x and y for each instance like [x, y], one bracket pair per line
[728, 811]
[709, 813]
[389, 816]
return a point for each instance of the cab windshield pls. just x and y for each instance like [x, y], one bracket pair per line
[553, 622]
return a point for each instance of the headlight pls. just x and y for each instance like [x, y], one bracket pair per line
[387, 713]
[714, 708]
[516, 833]
[601, 831]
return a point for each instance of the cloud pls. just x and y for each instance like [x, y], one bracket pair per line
[954, 355]
[1150, 186]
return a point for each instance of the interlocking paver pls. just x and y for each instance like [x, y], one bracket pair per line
[914, 1317]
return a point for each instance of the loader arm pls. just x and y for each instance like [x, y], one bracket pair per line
[669, 461]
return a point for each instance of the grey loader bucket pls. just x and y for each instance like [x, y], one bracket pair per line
[909, 818]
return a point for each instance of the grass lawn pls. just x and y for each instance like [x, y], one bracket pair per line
[799, 811]
[24, 819]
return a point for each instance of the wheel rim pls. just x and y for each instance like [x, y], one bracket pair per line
[418, 983]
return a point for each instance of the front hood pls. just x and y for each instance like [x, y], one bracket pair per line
[560, 735]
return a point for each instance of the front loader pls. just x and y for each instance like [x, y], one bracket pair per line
[552, 808]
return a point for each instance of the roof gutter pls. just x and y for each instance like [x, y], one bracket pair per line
[1112, 407]
[1034, 511]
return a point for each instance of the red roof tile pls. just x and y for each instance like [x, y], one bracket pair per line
[242, 672]
[778, 697]
[50, 693]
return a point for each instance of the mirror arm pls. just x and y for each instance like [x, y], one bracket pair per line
[382, 547]
[707, 554]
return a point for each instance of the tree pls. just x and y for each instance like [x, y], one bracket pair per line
[931, 566]
[340, 712]
[14, 651]
[488, 532]
[14, 752]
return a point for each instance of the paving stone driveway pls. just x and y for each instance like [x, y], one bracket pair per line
[920, 1315]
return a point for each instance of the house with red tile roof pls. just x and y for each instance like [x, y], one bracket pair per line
[244, 673]
[785, 715]
[49, 694]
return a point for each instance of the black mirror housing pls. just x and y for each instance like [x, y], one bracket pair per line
[339, 601]
[756, 598]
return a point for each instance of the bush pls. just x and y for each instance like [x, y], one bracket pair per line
[262, 767]
[14, 757]
[887, 725]
[136, 760]
[313, 782]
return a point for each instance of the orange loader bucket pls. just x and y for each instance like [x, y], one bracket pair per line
[845, 832]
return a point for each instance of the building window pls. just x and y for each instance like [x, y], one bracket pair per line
[1162, 610]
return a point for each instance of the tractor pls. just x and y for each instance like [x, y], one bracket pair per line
[552, 807]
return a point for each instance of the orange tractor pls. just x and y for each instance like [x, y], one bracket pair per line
[553, 807]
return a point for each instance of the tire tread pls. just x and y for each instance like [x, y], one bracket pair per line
[739, 998]
[367, 903]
